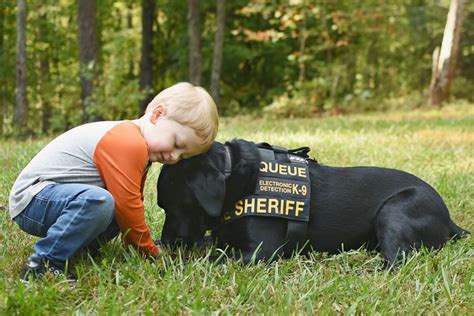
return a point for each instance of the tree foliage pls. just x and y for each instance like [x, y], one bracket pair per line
[295, 57]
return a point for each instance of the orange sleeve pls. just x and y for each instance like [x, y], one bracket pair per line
[121, 157]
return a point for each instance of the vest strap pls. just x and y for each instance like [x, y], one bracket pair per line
[228, 162]
[296, 236]
[266, 154]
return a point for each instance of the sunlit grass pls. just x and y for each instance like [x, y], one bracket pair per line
[434, 144]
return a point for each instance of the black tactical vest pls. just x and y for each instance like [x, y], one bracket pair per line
[283, 190]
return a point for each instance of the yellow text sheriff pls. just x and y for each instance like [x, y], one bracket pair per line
[263, 205]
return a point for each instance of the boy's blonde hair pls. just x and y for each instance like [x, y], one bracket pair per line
[191, 106]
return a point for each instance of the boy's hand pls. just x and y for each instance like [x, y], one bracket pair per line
[158, 245]
[153, 259]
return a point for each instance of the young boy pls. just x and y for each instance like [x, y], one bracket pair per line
[86, 186]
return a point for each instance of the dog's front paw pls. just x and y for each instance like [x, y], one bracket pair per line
[205, 242]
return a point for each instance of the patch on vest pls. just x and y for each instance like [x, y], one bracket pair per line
[283, 190]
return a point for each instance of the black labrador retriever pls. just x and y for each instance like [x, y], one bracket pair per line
[384, 209]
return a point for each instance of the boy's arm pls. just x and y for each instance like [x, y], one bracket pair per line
[121, 161]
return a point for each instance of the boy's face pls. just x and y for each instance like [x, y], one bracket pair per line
[168, 141]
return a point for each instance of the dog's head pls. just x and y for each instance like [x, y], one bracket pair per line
[191, 192]
[194, 191]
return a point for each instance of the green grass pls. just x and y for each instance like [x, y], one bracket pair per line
[436, 145]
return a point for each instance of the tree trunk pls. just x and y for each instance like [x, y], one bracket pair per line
[146, 64]
[131, 64]
[21, 110]
[445, 59]
[44, 75]
[302, 39]
[88, 43]
[218, 49]
[194, 32]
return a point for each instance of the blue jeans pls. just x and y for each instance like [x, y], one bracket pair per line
[69, 217]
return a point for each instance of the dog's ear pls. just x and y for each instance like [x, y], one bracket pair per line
[209, 188]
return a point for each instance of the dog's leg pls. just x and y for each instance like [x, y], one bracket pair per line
[410, 219]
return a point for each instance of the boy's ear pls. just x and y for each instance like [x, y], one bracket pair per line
[209, 188]
[157, 112]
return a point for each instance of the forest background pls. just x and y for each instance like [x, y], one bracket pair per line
[88, 60]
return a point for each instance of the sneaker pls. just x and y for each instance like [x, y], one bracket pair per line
[36, 270]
